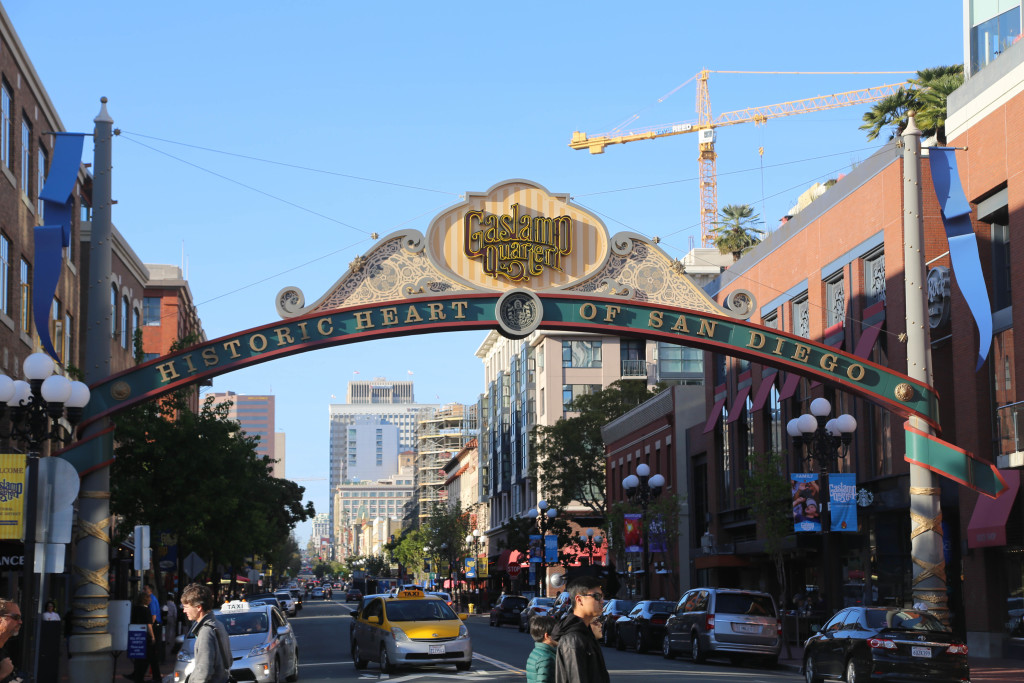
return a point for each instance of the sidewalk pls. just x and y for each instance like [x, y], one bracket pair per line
[983, 670]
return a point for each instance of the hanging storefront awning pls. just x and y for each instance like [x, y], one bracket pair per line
[738, 404]
[987, 527]
[714, 415]
[761, 397]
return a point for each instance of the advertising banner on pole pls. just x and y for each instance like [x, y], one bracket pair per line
[658, 541]
[482, 568]
[536, 548]
[550, 548]
[806, 502]
[842, 505]
[12, 492]
[470, 568]
[633, 532]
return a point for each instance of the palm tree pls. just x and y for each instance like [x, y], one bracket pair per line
[925, 94]
[734, 231]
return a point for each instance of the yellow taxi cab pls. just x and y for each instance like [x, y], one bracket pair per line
[410, 629]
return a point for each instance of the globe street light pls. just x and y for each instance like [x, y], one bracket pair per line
[642, 488]
[543, 515]
[36, 409]
[590, 542]
[826, 441]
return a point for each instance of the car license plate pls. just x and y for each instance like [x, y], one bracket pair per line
[439, 649]
[747, 628]
[921, 651]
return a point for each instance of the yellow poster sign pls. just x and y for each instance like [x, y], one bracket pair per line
[12, 492]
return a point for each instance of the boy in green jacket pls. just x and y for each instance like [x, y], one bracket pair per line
[540, 667]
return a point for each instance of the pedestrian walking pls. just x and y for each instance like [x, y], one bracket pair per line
[171, 623]
[579, 658]
[540, 666]
[156, 652]
[211, 654]
[10, 624]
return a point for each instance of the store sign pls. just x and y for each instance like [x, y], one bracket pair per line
[517, 245]
[12, 491]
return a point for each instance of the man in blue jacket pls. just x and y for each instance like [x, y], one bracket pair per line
[579, 658]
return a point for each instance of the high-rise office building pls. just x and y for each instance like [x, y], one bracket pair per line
[256, 415]
[377, 400]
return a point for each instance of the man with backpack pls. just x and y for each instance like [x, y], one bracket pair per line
[211, 658]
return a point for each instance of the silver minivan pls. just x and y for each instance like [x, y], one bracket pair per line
[724, 621]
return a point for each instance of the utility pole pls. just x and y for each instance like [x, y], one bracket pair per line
[929, 582]
[90, 644]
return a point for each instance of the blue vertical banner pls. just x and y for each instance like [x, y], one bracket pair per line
[55, 232]
[470, 570]
[550, 548]
[658, 539]
[963, 243]
[536, 548]
[806, 501]
[842, 501]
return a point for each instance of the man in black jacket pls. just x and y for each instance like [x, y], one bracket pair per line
[579, 658]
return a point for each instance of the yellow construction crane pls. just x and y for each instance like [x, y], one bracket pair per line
[705, 126]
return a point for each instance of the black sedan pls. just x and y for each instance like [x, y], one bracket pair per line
[507, 609]
[880, 644]
[644, 626]
[613, 611]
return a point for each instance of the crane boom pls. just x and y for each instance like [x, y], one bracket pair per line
[705, 122]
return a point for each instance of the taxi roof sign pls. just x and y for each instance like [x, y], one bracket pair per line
[235, 606]
[410, 593]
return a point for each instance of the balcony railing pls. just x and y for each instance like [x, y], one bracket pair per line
[634, 368]
[1010, 424]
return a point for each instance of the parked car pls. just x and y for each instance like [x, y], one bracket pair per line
[263, 645]
[507, 609]
[724, 621]
[287, 602]
[613, 610]
[533, 608]
[644, 626]
[410, 629]
[563, 605]
[885, 644]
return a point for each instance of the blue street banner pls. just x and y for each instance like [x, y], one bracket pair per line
[963, 243]
[55, 232]
[658, 542]
[806, 502]
[633, 532]
[536, 548]
[550, 548]
[470, 568]
[842, 501]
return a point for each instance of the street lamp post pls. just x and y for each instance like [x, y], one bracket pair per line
[36, 409]
[475, 543]
[824, 439]
[642, 488]
[543, 515]
[591, 542]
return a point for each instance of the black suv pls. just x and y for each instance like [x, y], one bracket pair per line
[507, 610]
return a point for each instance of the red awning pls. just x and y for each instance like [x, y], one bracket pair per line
[789, 386]
[762, 391]
[738, 404]
[867, 340]
[502, 562]
[714, 415]
[988, 521]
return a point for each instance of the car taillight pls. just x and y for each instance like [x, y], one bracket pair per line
[778, 628]
[658, 621]
[956, 649]
[709, 622]
[881, 643]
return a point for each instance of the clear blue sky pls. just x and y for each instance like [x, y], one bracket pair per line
[370, 117]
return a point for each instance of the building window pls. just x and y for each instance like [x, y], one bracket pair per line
[801, 318]
[26, 149]
[124, 322]
[113, 310]
[677, 362]
[25, 324]
[135, 321]
[68, 336]
[570, 392]
[991, 37]
[581, 354]
[6, 125]
[771, 320]
[5, 275]
[1000, 266]
[874, 278]
[151, 311]
[835, 301]
[40, 182]
[56, 333]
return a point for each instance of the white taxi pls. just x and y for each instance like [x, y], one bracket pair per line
[410, 629]
[263, 644]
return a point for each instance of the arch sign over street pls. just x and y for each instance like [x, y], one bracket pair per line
[515, 258]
